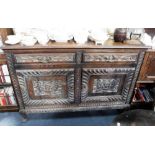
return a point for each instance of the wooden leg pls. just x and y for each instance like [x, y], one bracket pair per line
[24, 117]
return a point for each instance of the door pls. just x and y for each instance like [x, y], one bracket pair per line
[46, 86]
[106, 84]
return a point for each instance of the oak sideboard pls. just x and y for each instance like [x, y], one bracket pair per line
[72, 77]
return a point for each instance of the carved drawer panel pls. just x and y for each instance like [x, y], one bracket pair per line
[110, 57]
[106, 84]
[45, 58]
[46, 86]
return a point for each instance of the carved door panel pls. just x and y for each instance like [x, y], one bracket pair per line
[104, 85]
[46, 86]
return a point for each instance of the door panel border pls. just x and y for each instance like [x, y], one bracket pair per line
[87, 72]
[23, 74]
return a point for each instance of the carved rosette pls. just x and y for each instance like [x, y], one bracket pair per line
[106, 85]
[47, 87]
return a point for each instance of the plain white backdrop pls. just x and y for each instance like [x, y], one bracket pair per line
[77, 13]
[77, 140]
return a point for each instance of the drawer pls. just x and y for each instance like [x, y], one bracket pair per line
[110, 57]
[45, 58]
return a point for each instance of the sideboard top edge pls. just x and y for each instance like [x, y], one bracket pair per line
[109, 44]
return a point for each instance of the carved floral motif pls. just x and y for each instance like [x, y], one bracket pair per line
[110, 57]
[105, 85]
[44, 59]
[51, 88]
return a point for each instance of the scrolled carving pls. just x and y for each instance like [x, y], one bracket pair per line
[105, 85]
[110, 57]
[52, 88]
[71, 108]
[44, 58]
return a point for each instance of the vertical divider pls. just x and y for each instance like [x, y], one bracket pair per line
[78, 77]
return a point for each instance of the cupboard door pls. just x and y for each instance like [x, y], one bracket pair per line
[148, 71]
[46, 86]
[106, 85]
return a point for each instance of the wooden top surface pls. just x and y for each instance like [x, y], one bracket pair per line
[107, 44]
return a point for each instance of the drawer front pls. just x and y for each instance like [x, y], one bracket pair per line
[110, 57]
[45, 58]
[46, 86]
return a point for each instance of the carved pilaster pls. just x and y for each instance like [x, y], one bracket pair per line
[78, 78]
[10, 61]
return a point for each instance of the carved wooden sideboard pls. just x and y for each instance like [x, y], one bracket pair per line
[71, 77]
